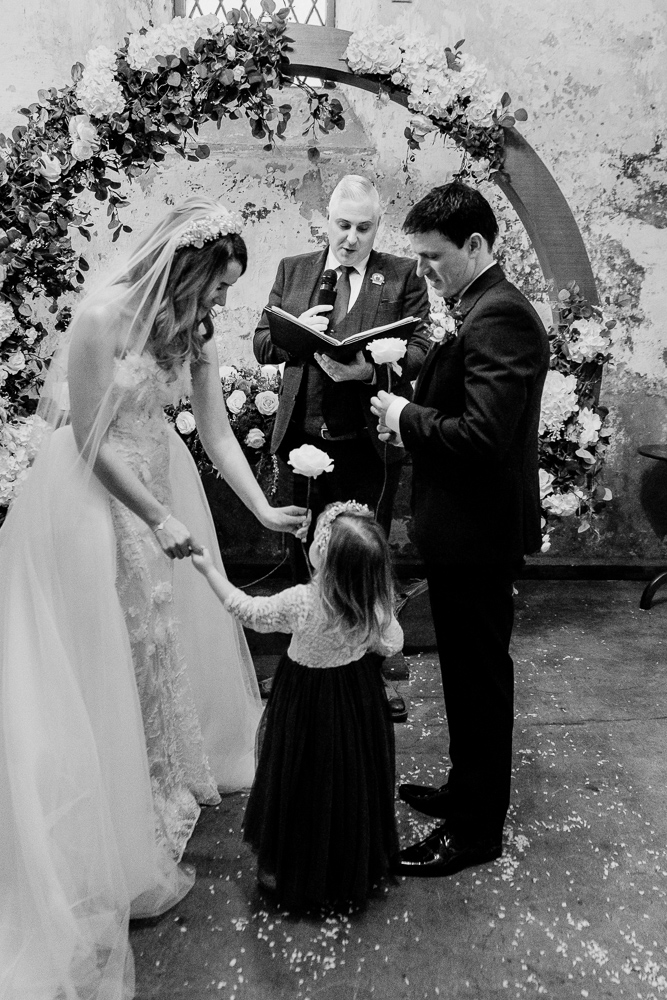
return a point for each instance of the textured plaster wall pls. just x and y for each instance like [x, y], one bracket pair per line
[593, 78]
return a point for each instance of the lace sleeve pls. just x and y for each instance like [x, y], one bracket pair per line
[278, 613]
[392, 639]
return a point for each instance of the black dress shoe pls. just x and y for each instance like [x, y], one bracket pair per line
[428, 800]
[442, 854]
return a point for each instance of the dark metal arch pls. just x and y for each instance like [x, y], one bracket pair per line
[528, 186]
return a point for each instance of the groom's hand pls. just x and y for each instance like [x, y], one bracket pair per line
[379, 406]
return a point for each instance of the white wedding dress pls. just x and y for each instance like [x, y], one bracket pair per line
[127, 697]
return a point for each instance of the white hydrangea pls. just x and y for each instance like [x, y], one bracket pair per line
[377, 51]
[168, 39]
[7, 321]
[589, 340]
[559, 401]
[98, 91]
[561, 504]
[588, 426]
[19, 443]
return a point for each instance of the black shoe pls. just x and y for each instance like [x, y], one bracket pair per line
[397, 709]
[426, 799]
[442, 854]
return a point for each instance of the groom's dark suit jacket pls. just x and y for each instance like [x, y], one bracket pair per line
[390, 291]
[472, 432]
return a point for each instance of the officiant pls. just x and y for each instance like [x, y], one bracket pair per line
[326, 403]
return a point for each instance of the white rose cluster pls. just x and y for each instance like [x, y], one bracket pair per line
[589, 340]
[168, 40]
[559, 401]
[98, 91]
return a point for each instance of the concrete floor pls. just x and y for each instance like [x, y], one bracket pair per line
[574, 908]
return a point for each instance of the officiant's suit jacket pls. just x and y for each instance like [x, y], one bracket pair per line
[472, 432]
[390, 291]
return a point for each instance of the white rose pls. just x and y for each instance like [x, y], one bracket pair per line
[185, 422]
[388, 351]
[227, 371]
[82, 150]
[269, 371]
[267, 402]
[310, 461]
[80, 127]
[236, 401]
[546, 479]
[15, 362]
[49, 168]
[255, 438]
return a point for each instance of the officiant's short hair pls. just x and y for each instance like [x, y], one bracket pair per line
[456, 211]
[356, 187]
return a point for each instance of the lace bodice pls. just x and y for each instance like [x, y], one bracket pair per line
[139, 429]
[298, 610]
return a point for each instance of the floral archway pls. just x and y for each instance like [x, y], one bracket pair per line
[126, 110]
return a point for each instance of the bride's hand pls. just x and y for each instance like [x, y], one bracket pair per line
[175, 539]
[284, 518]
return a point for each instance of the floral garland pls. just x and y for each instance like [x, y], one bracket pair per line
[573, 432]
[126, 110]
[251, 397]
[444, 85]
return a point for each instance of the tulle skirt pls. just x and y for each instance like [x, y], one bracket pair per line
[321, 811]
[78, 851]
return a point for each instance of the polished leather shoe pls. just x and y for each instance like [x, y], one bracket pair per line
[442, 854]
[426, 799]
[397, 709]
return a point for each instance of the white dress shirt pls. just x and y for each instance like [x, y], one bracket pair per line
[356, 275]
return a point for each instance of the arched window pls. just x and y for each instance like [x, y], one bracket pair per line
[318, 12]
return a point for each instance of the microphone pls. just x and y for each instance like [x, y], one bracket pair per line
[326, 293]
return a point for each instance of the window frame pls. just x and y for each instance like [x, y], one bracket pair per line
[180, 10]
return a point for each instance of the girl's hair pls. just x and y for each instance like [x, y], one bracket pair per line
[355, 578]
[176, 333]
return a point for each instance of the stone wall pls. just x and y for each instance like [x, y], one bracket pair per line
[593, 78]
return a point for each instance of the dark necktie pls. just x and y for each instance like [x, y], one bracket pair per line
[339, 311]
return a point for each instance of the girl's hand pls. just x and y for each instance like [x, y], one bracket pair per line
[202, 561]
[175, 539]
[289, 519]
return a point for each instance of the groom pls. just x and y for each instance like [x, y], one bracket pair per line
[472, 433]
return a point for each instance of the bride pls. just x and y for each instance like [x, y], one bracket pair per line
[126, 698]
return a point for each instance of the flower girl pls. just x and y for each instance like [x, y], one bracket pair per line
[321, 811]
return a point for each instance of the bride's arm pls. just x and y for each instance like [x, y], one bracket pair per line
[224, 450]
[92, 355]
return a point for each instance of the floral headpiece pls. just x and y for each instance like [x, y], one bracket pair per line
[210, 227]
[329, 515]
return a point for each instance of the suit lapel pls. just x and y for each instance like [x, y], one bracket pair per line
[308, 277]
[468, 301]
[371, 291]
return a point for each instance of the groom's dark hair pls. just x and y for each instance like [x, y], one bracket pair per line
[456, 211]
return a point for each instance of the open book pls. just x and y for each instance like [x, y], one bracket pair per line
[302, 342]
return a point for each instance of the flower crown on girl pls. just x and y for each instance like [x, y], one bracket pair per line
[329, 515]
[210, 227]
